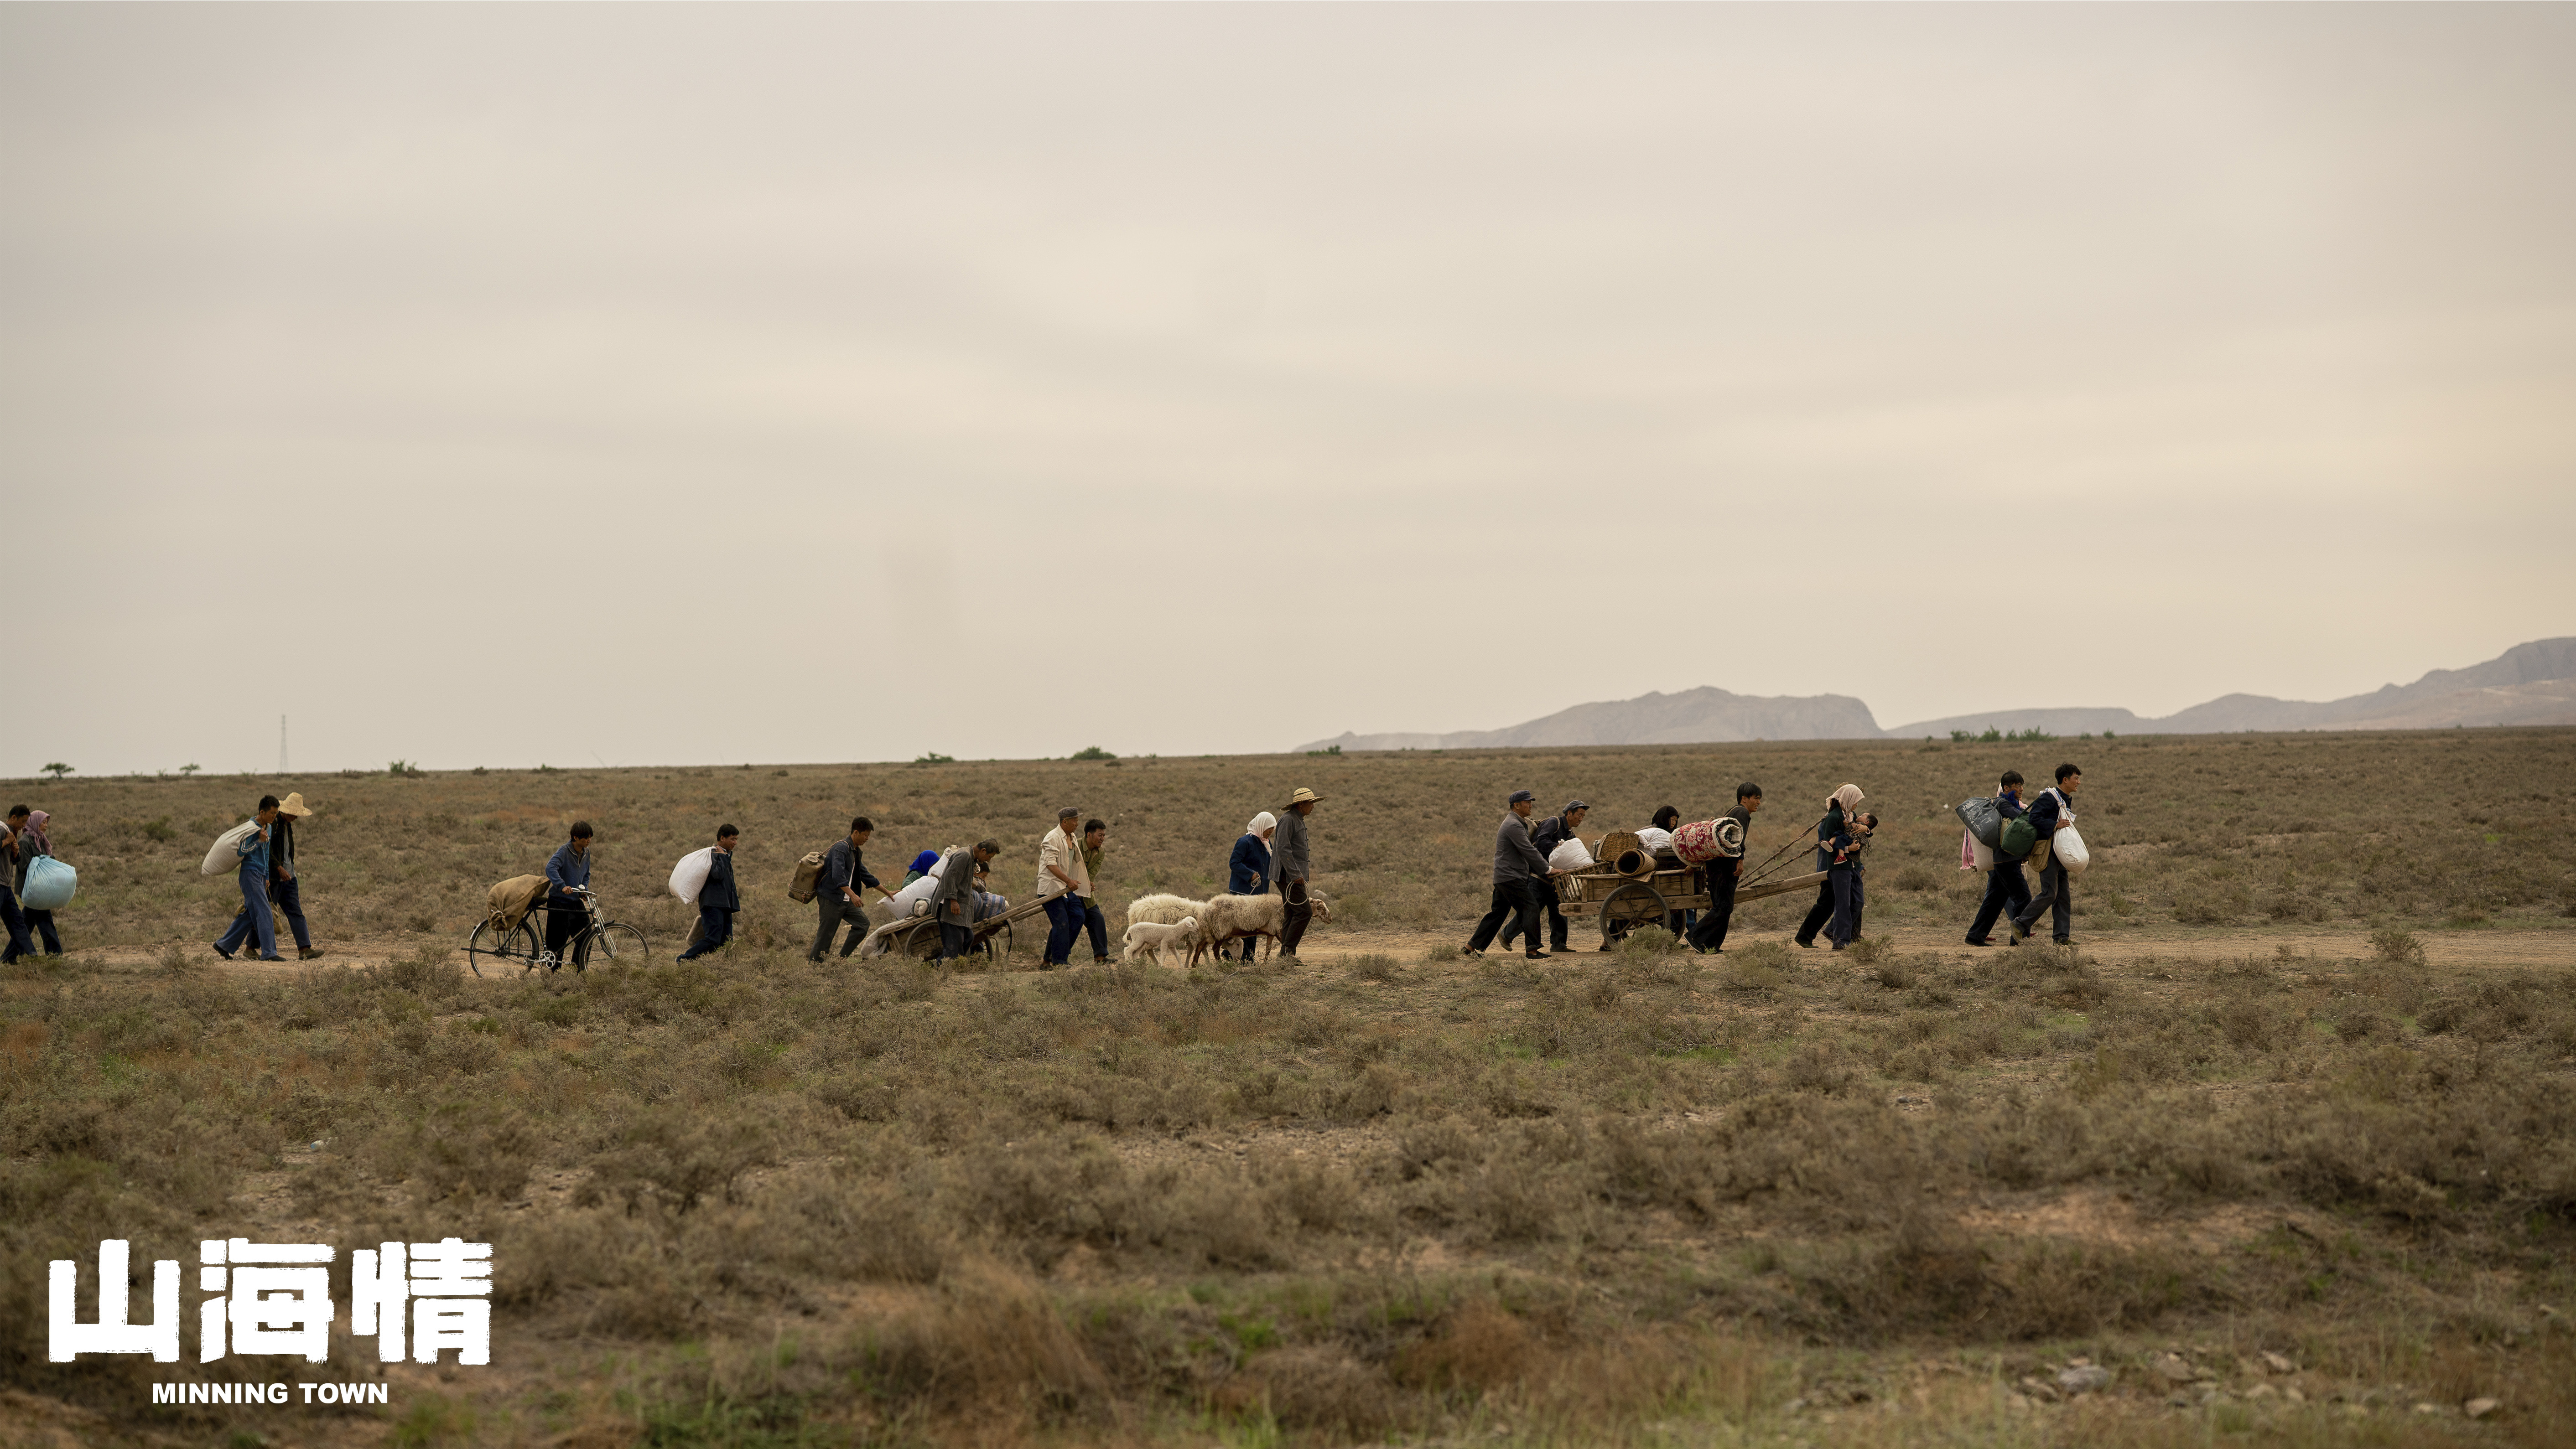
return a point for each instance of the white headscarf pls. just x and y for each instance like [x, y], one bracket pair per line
[1262, 824]
[1848, 797]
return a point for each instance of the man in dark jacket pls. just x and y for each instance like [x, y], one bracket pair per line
[2007, 891]
[952, 901]
[567, 874]
[1550, 833]
[2052, 812]
[836, 890]
[717, 899]
[1710, 933]
[1519, 873]
[1288, 867]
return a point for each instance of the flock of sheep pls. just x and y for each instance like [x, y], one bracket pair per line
[1165, 926]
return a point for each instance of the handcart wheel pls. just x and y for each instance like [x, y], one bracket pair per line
[1630, 906]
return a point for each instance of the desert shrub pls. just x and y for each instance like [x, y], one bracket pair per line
[2396, 947]
[1374, 966]
[669, 1160]
[1648, 941]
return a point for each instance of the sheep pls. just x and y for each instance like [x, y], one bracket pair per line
[1229, 917]
[1149, 938]
[1163, 910]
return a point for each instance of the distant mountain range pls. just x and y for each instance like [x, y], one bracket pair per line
[2529, 684]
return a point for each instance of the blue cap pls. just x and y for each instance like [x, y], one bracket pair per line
[1518, 796]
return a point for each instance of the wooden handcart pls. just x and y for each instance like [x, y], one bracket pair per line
[918, 936]
[1631, 886]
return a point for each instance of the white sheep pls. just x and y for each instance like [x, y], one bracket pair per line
[1231, 917]
[1162, 910]
[1162, 942]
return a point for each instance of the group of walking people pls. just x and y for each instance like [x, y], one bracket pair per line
[2008, 895]
[1526, 874]
[1272, 854]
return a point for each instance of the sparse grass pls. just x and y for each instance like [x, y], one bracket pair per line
[1398, 1194]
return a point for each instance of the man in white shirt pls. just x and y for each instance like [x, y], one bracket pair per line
[1063, 881]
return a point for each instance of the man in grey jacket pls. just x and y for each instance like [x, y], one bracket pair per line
[1288, 866]
[952, 901]
[1520, 873]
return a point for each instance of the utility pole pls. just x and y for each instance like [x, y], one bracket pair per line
[281, 744]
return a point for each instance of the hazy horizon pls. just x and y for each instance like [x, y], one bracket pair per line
[497, 386]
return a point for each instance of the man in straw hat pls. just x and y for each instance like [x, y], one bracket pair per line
[1288, 867]
[254, 881]
[284, 891]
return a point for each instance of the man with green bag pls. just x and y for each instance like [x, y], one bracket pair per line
[2053, 811]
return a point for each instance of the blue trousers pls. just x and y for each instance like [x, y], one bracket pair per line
[1065, 917]
[288, 897]
[2005, 891]
[1098, 926]
[252, 921]
[16, 921]
[715, 927]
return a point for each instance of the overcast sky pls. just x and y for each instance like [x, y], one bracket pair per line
[505, 385]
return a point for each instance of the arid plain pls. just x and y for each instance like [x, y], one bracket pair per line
[2285, 1148]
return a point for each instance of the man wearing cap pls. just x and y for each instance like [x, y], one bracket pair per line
[1063, 881]
[283, 891]
[1288, 867]
[1520, 871]
[1549, 834]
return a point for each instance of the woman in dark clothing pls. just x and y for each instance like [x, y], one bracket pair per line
[1838, 811]
[1247, 872]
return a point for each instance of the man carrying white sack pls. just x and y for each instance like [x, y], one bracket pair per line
[2052, 812]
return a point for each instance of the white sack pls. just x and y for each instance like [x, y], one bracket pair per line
[919, 891]
[1982, 853]
[690, 876]
[2071, 852]
[224, 855]
[1569, 855]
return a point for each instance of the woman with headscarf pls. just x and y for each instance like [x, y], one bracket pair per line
[1247, 872]
[1840, 808]
[32, 842]
[922, 865]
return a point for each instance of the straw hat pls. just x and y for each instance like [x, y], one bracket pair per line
[294, 805]
[1301, 795]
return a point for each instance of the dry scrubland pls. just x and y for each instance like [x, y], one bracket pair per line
[1389, 1195]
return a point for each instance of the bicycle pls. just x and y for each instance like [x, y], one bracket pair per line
[605, 939]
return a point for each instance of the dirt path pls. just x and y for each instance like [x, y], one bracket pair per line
[2541, 949]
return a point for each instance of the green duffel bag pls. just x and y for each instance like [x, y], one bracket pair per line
[2019, 838]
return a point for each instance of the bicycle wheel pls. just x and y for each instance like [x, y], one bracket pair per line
[519, 944]
[607, 941]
